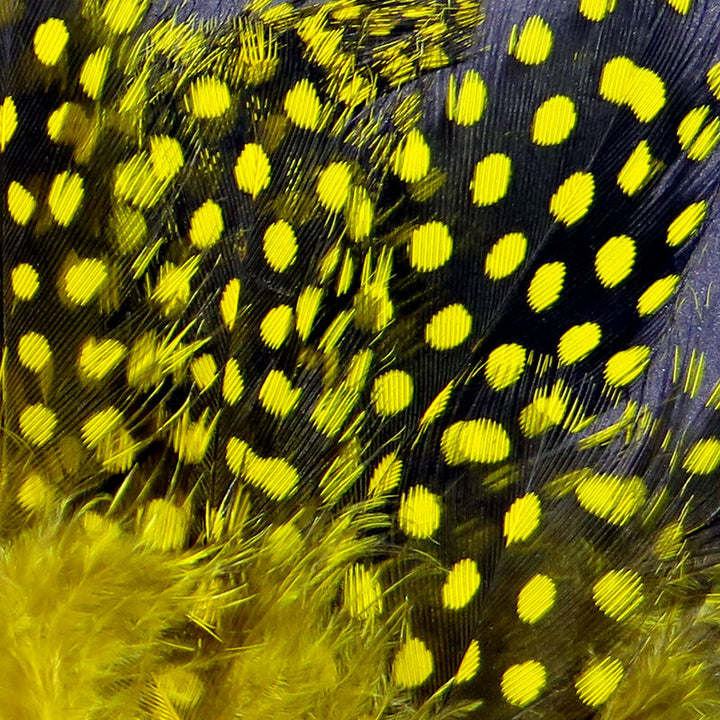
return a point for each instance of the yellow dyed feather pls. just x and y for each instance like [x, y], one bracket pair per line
[349, 367]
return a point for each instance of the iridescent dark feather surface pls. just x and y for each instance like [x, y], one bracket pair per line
[359, 359]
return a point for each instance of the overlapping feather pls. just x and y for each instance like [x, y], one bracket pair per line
[265, 448]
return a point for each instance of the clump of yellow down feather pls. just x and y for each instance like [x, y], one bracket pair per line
[324, 333]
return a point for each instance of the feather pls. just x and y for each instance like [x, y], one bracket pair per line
[349, 359]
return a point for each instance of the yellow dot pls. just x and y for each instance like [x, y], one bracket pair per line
[284, 542]
[331, 411]
[506, 255]
[413, 664]
[505, 365]
[190, 438]
[670, 541]
[706, 141]
[682, 7]
[99, 425]
[142, 367]
[208, 98]
[166, 156]
[696, 136]
[547, 409]
[346, 275]
[165, 525]
[84, 279]
[37, 424]
[419, 513]
[437, 406]
[578, 342]
[121, 16]
[25, 281]
[392, 392]
[8, 122]
[618, 593]
[703, 457]
[21, 203]
[411, 160]
[252, 170]
[172, 290]
[66, 193]
[50, 41]
[280, 246]
[536, 598]
[373, 311]
[128, 229]
[359, 214]
[611, 497]
[302, 105]
[461, 584]
[333, 186]
[572, 200]
[522, 519]
[306, 310]
[615, 260]
[534, 43]
[275, 476]
[546, 286]
[691, 125]
[430, 246]
[94, 72]
[236, 454]
[35, 494]
[277, 325]
[137, 183]
[206, 225]
[468, 107]
[229, 303]
[622, 82]
[358, 370]
[523, 683]
[657, 295]
[638, 169]
[448, 328]
[386, 475]
[598, 681]
[362, 592]
[97, 359]
[616, 80]
[596, 10]
[491, 179]
[554, 120]
[627, 365]
[483, 441]
[469, 664]
[713, 80]
[203, 370]
[68, 124]
[233, 384]
[34, 351]
[686, 223]
[277, 394]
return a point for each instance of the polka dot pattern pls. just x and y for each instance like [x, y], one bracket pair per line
[335, 276]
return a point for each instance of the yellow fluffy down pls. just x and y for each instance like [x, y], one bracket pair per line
[106, 618]
[675, 668]
[96, 621]
[85, 622]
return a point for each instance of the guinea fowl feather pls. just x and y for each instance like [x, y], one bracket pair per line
[359, 359]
